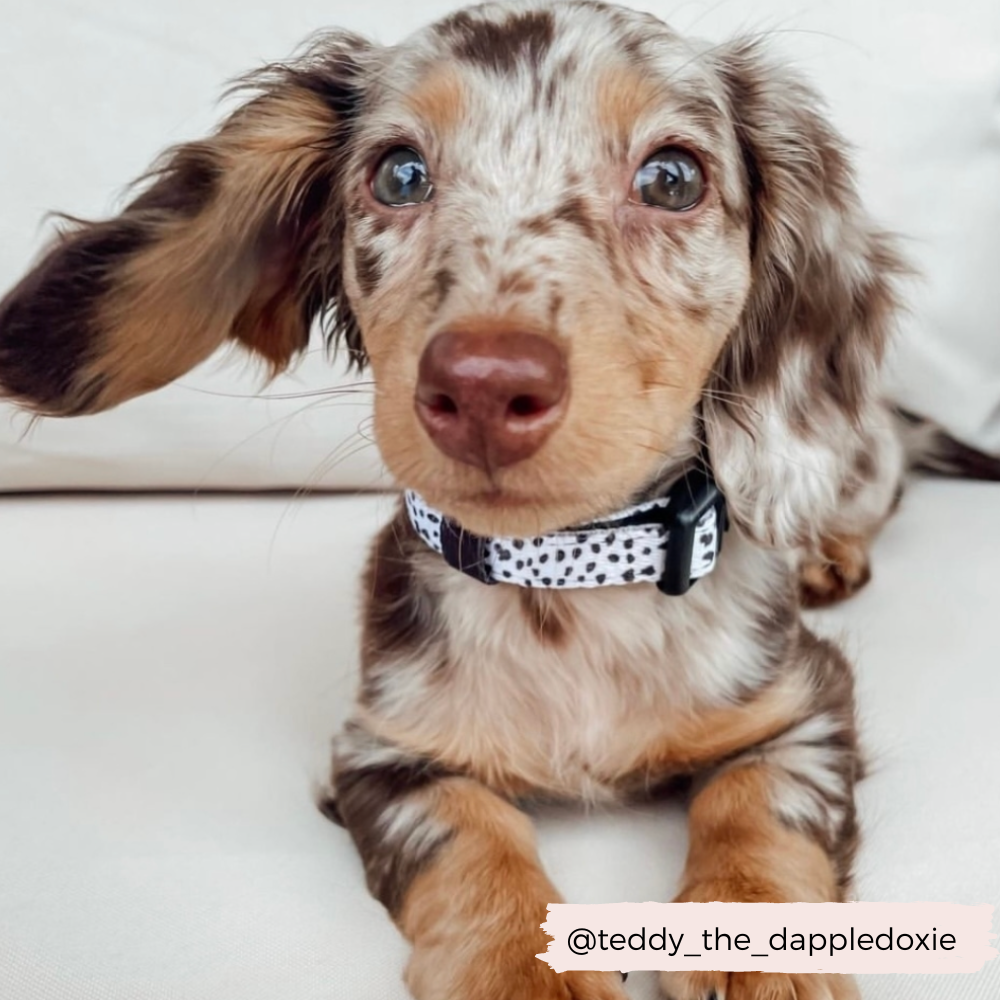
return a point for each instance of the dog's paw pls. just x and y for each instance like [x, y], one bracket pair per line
[756, 986]
[837, 571]
[594, 985]
[497, 976]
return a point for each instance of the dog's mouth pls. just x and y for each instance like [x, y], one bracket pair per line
[539, 506]
[496, 511]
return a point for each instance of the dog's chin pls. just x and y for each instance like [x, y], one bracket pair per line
[538, 496]
[507, 513]
[527, 502]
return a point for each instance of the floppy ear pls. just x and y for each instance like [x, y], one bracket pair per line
[238, 236]
[796, 388]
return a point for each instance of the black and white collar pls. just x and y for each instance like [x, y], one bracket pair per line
[671, 541]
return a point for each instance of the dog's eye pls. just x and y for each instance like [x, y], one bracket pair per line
[671, 178]
[402, 178]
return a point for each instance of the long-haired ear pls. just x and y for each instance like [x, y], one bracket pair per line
[794, 398]
[235, 237]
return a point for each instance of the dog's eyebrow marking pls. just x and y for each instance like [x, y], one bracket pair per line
[623, 95]
[500, 47]
[439, 99]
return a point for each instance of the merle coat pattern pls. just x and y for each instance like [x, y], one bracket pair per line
[753, 323]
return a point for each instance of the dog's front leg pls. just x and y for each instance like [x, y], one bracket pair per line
[777, 825]
[457, 868]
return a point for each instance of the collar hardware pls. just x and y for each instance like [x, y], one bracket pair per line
[691, 500]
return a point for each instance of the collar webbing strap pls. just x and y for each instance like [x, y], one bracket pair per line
[671, 541]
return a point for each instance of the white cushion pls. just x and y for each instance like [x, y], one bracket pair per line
[218, 428]
[101, 89]
[171, 670]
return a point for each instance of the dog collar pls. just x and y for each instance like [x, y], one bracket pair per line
[671, 541]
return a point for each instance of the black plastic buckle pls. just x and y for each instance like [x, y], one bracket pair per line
[464, 551]
[690, 499]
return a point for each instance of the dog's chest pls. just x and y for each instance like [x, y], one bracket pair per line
[564, 693]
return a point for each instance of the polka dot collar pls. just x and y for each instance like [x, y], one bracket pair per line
[671, 541]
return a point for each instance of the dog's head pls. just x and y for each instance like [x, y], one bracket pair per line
[568, 241]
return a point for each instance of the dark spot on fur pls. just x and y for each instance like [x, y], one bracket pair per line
[865, 466]
[363, 795]
[367, 269]
[516, 283]
[555, 307]
[574, 211]
[399, 616]
[48, 322]
[444, 282]
[551, 90]
[185, 187]
[546, 615]
[634, 46]
[539, 225]
[500, 47]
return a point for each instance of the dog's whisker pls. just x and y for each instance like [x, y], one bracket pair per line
[347, 449]
[279, 422]
[331, 392]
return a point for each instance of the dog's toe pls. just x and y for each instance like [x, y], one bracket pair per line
[837, 571]
[693, 985]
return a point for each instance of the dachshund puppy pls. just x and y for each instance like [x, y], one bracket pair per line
[604, 276]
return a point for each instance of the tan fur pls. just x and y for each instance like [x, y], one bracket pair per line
[439, 101]
[702, 739]
[841, 570]
[175, 302]
[645, 388]
[740, 853]
[625, 697]
[659, 743]
[474, 916]
[624, 96]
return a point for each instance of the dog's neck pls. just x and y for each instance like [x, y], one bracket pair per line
[671, 538]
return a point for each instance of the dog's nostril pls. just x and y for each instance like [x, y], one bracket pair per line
[490, 398]
[526, 406]
[442, 406]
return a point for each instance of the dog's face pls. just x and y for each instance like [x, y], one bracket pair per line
[570, 243]
[552, 200]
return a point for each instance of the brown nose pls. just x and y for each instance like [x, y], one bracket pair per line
[491, 399]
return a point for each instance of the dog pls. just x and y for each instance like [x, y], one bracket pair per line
[618, 294]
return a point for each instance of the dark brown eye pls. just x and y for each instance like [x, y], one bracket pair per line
[671, 178]
[402, 178]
